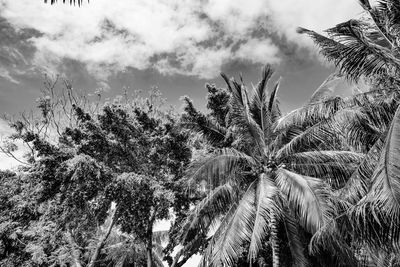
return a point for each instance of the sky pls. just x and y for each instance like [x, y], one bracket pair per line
[176, 45]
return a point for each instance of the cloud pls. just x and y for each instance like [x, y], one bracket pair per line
[287, 15]
[172, 36]
[5, 74]
[7, 162]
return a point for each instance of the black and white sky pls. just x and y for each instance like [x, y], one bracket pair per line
[177, 45]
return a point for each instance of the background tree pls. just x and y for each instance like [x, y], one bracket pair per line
[129, 154]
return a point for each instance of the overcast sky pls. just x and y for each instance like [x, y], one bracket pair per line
[177, 45]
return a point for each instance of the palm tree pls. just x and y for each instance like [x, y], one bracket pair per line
[365, 47]
[260, 175]
[368, 205]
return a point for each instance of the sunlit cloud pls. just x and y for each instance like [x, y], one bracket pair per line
[172, 36]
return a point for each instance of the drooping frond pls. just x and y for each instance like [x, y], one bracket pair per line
[377, 214]
[264, 205]
[295, 243]
[203, 218]
[358, 184]
[217, 202]
[207, 258]
[238, 230]
[307, 196]
[331, 239]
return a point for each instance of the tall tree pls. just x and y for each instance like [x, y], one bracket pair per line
[266, 177]
[368, 203]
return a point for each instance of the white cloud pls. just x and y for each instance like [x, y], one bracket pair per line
[5, 74]
[287, 15]
[173, 36]
[256, 50]
[7, 162]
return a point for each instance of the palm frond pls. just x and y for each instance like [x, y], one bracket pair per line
[307, 196]
[358, 184]
[323, 156]
[310, 138]
[310, 114]
[354, 53]
[196, 122]
[378, 213]
[240, 116]
[264, 205]
[329, 239]
[207, 211]
[258, 106]
[295, 244]
[237, 231]
[217, 167]
[225, 245]
[325, 90]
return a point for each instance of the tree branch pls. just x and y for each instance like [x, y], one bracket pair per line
[76, 254]
[103, 239]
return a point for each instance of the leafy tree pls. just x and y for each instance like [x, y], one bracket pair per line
[259, 173]
[128, 156]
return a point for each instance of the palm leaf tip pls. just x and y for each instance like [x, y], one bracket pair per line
[302, 30]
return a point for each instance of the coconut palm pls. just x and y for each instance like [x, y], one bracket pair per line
[368, 204]
[261, 175]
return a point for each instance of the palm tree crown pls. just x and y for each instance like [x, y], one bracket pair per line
[260, 174]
